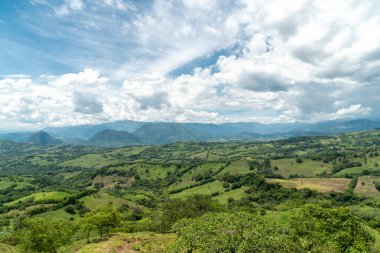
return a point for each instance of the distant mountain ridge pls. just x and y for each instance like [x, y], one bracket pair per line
[113, 138]
[162, 133]
[43, 138]
[134, 132]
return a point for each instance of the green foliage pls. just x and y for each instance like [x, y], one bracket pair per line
[70, 209]
[377, 185]
[329, 230]
[353, 183]
[237, 232]
[45, 235]
[193, 206]
[143, 181]
[102, 219]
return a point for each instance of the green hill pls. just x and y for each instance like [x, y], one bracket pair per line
[43, 138]
[162, 133]
[113, 138]
[151, 187]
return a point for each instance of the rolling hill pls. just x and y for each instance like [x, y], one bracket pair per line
[43, 138]
[113, 138]
[167, 132]
[162, 133]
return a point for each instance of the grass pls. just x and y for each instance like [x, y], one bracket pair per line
[102, 199]
[307, 168]
[128, 243]
[134, 197]
[182, 183]
[187, 178]
[91, 161]
[206, 189]
[6, 183]
[376, 236]
[107, 181]
[236, 167]
[366, 186]
[317, 184]
[148, 171]
[366, 212]
[60, 213]
[40, 196]
[281, 217]
[5, 248]
[18, 182]
[236, 194]
[67, 175]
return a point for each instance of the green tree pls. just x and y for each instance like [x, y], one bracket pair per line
[330, 230]
[102, 219]
[193, 206]
[45, 235]
[234, 233]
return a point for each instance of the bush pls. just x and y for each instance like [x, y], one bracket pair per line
[45, 235]
[237, 232]
[70, 209]
[330, 230]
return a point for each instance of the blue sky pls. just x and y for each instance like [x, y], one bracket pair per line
[69, 62]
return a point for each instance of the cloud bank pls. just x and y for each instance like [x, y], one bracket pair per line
[250, 61]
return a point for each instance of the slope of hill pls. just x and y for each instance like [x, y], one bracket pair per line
[162, 133]
[112, 138]
[43, 138]
[17, 137]
[87, 131]
[275, 178]
[159, 132]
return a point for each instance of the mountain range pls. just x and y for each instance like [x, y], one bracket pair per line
[122, 133]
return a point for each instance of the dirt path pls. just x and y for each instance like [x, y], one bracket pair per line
[126, 248]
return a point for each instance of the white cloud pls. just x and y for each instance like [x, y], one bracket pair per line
[69, 6]
[119, 4]
[279, 62]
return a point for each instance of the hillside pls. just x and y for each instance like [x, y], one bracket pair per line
[112, 138]
[145, 183]
[162, 133]
[43, 138]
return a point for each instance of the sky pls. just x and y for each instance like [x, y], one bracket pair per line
[71, 62]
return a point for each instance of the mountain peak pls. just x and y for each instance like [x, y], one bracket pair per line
[109, 137]
[43, 138]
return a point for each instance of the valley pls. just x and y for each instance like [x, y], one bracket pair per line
[272, 178]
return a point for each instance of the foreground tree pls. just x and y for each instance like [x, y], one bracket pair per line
[330, 230]
[234, 233]
[101, 219]
[193, 206]
[45, 235]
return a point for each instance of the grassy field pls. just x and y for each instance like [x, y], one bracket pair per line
[307, 168]
[366, 212]
[144, 176]
[206, 189]
[102, 199]
[91, 161]
[236, 194]
[318, 184]
[5, 248]
[40, 196]
[17, 182]
[147, 170]
[236, 167]
[129, 243]
[183, 182]
[366, 186]
[61, 213]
